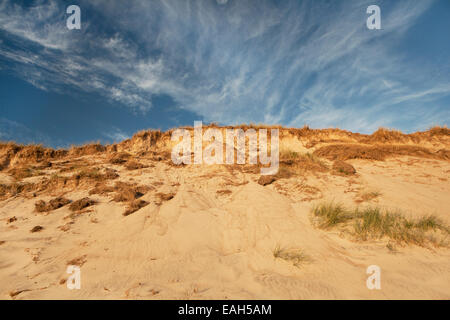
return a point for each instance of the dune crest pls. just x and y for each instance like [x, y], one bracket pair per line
[140, 227]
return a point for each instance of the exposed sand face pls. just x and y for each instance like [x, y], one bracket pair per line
[215, 239]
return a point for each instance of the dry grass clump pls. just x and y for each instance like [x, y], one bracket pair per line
[295, 256]
[14, 189]
[42, 206]
[368, 196]
[101, 189]
[439, 131]
[23, 172]
[310, 157]
[135, 206]
[166, 156]
[119, 158]
[375, 223]
[11, 220]
[89, 173]
[164, 197]
[7, 152]
[285, 172]
[124, 192]
[20, 154]
[110, 174]
[36, 229]
[266, 180]
[42, 165]
[245, 168]
[291, 163]
[94, 174]
[81, 204]
[443, 154]
[384, 135]
[330, 215]
[72, 165]
[78, 261]
[134, 165]
[291, 157]
[343, 168]
[147, 137]
[289, 154]
[55, 182]
[375, 152]
[128, 192]
[87, 149]
[224, 191]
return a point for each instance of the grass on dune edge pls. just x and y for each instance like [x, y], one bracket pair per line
[295, 256]
[371, 223]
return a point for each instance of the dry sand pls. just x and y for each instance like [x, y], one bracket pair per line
[215, 239]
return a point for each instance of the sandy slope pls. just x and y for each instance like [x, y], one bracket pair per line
[202, 244]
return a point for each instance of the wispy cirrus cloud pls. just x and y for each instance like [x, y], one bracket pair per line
[294, 63]
[42, 23]
[115, 134]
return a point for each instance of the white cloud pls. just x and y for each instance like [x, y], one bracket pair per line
[116, 135]
[442, 90]
[33, 23]
[246, 61]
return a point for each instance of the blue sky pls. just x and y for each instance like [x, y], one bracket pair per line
[160, 64]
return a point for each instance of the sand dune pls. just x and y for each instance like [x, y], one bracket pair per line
[214, 232]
